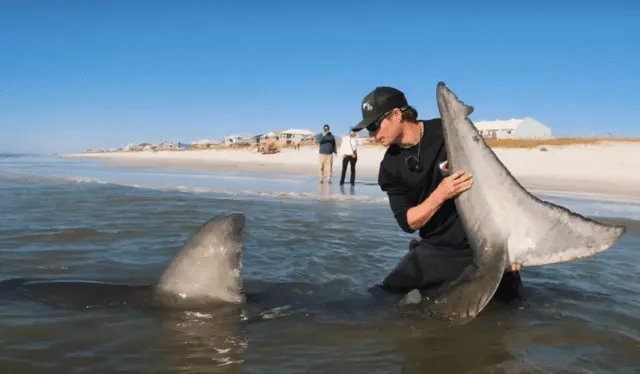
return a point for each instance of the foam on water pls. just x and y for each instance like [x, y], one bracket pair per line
[238, 184]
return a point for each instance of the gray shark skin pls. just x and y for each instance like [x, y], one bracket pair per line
[208, 269]
[205, 273]
[504, 223]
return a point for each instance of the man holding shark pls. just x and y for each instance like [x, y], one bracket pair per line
[470, 236]
[421, 193]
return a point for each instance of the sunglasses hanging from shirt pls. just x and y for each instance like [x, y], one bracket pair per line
[413, 162]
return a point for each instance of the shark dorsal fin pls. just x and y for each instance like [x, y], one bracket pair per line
[208, 267]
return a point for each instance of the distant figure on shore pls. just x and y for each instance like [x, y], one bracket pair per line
[326, 150]
[349, 152]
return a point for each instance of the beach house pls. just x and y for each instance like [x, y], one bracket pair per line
[294, 136]
[205, 143]
[526, 128]
[236, 140]
[269, 137]
[255, 140]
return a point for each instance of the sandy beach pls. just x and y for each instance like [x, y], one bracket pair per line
[604, 169]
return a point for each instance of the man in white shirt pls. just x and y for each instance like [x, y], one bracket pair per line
[349, 152]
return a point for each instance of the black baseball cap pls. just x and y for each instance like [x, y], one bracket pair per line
[378, 102]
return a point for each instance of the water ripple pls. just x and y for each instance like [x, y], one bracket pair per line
[579, 317]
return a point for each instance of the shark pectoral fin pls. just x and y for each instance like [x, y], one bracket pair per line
[465, 297]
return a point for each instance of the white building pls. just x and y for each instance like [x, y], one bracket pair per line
[232, 140]
[205, 143]
[168, 145]
[287, 137]
[294, 136]
[275, 135]
[527, 128]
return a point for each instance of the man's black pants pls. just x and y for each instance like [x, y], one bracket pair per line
[348, 160]
[427, 266]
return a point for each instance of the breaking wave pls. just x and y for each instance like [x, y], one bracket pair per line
[46, 178]
[335, 196]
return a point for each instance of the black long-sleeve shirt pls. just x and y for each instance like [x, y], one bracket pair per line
[407, 189]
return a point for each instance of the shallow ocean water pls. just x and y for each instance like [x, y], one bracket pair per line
[70, 219]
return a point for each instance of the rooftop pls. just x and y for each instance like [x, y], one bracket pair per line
[298, 132]
[507, 124]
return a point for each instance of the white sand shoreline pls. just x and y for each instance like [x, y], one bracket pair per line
[602, 170]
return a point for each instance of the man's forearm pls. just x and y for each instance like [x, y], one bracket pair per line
[422, 213]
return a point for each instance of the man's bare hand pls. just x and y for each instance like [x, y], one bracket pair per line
[454, 185]
[515, 267]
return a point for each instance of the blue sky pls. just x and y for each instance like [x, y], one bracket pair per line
[78, 74]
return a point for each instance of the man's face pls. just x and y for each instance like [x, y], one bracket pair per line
[325, 129]
[389, 130]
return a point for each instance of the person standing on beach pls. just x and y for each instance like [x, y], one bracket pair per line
[327, 150]
[421, 193]
[349, 151]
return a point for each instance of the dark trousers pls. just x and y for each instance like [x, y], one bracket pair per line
[427, 266]
[345, 161]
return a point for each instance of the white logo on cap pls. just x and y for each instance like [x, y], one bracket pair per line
[367, 106]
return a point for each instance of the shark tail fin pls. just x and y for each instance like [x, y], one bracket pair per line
[550, 234]
[450, 97]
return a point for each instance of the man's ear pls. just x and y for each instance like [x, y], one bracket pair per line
[397, 115]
